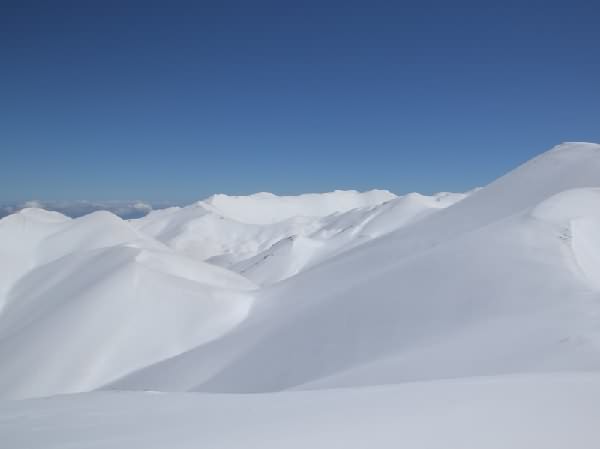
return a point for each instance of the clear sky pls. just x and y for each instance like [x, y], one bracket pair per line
[178, 100]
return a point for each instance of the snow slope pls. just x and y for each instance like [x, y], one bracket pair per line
[366, 312]
[517, 412]
[268, 238]
[229, 229]
[489, 285]
[104, 283]
[340, 232]
[89, 300]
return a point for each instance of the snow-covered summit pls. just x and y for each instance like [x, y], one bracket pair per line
[243, 232]
[267, 208]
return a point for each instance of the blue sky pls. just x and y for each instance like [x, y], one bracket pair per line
[174, 101]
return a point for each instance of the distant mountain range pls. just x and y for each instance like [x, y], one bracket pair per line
[79, 208]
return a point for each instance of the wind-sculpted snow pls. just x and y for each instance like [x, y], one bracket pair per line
[264, 294]
[576, 215]
[338, 233]
[485, 286]
[92, 299]
[138, 292]
[228, 230]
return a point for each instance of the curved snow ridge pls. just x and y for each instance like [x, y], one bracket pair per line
[577, 214]
[569, 149]
[204, 232]
[340, 232]
[444, 313]
[203, 235]
[568, 205]
[485, 286]
[434, 299]
[190, 269]
[33, 237]
[100, 229]
[88, 300]
[564, 167]
[109, 312]
[284, 259]
[20, 236]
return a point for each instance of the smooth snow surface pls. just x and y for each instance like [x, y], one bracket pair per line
[531, 412]
[88, 300]
[364, 304]
[489, 285]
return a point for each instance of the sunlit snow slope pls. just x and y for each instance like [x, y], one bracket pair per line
[504, 281]
[87, 300]
[467, 320]
[520, 412]
[268, 238]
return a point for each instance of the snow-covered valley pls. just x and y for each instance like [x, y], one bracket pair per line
[356, 319]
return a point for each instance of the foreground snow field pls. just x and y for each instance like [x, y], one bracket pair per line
[519, 412]
[356, 319]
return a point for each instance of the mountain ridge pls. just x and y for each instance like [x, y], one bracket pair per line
[378, 291]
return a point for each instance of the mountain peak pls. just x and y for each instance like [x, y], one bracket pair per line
[264, 207]
[572, 147]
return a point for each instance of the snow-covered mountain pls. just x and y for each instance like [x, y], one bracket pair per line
[104, 283]
[266, 294]
[90, 299]
[268, 238]
[504, 281]
[79, 208]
